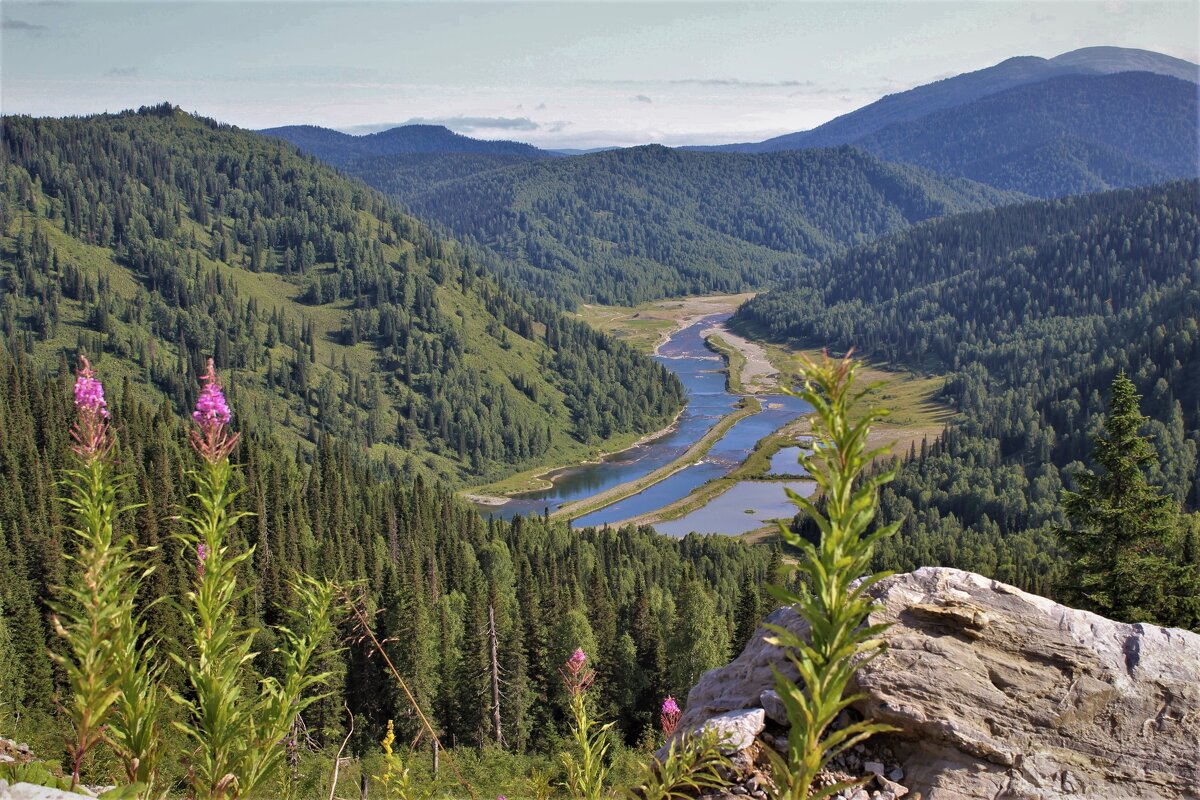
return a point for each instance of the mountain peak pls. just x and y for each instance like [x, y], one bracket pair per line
[1127, 59]
[341, 148]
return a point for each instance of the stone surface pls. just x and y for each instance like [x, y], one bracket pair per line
[1002, 694]
[29, 791]
[738, 728]
[772, 703]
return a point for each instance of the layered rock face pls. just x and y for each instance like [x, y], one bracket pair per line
[998, 693]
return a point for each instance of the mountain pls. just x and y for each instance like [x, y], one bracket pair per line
[1066, 135]
[968, 87]
[339, 148]
[154, 239]
[629, 225]
[1030, 310]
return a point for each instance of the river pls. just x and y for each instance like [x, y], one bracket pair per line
[703, 375]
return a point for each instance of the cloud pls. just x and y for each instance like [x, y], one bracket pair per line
[479, 123]
[541, 107]
[121, 72]
[739, 82]
[21, 25]
[641, 98]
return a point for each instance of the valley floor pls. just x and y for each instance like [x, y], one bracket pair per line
[755, 368]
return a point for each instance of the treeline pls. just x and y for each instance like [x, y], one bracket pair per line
[642, 223]
[652, 612]
[1032, 310]
[159, 239]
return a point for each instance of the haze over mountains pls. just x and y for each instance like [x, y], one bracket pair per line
[634, 224]
[968, 87]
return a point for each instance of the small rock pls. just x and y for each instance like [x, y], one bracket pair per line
[739, 790]
[860, 794]
[23, 748]
[5, 758]
[896, 774]
[781, 744]
[772, 703]
[873, 766]
[1068, 782]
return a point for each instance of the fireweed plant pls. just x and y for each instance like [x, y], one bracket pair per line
[694, 762]
[835, 603]
[585, 769]
[114, 695]
[239, 741]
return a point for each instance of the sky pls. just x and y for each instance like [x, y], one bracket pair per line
[555, 74]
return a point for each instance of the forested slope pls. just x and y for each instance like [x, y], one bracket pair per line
[338, 148]
[152, 240]
[1032, 309]
[630, 225]
[962, 90]
[652, 612]
[1067, 135]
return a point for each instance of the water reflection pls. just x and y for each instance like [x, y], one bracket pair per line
[747, 506]
[703, 377]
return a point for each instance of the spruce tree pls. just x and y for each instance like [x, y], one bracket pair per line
[1127, 539]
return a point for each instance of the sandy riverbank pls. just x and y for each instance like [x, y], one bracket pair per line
[758, 374]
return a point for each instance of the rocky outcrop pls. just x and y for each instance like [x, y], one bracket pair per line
[998, 693]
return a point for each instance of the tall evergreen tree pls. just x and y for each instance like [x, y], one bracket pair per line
[1127, 541]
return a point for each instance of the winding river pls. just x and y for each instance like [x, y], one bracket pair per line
[703, 375]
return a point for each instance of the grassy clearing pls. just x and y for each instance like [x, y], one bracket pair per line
[735, 361]
[648, 325]
[910, 396]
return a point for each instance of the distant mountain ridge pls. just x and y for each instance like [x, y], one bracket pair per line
[1068, 135]
[337, 148]
[629, 225]
[968, 87]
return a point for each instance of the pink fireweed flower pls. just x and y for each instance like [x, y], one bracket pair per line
[90, 430]
[577, 677]
[670, 716]
[213, 441]
[201, 558]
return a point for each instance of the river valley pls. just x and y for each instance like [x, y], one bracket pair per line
[703, 374]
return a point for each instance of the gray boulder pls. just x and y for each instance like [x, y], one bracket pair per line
[1000, 693]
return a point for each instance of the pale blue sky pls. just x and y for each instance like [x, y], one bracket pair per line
[563, 74]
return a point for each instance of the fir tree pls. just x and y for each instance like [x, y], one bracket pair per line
[1127, 541]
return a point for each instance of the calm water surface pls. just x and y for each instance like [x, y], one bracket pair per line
[748, 505]
[703, 376]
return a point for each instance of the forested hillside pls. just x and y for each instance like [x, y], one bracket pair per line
[152, 240]
[1068, 135]
[339, 148]
[652, 612]
[1032, 309]
[961, 90]
[630, 225]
